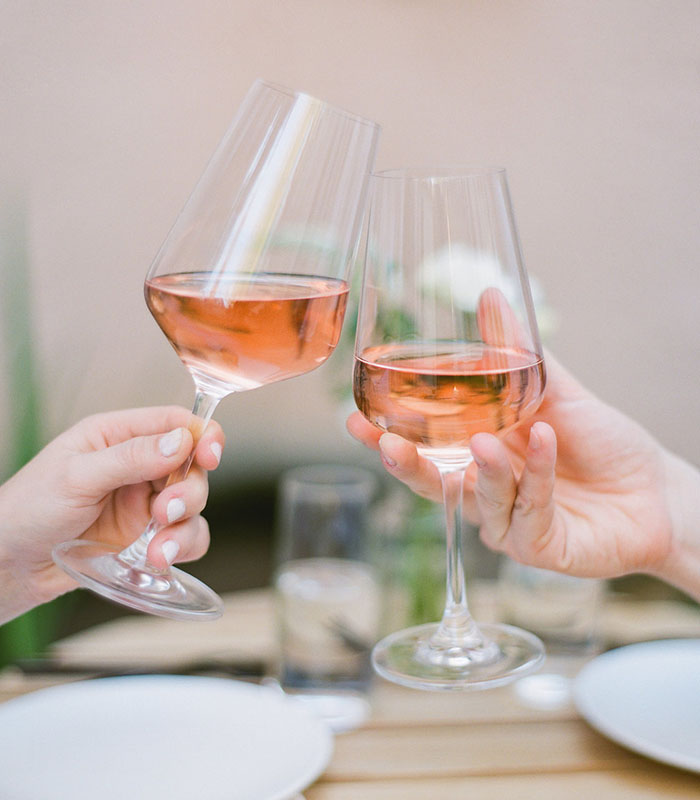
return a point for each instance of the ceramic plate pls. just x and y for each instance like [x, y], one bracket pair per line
[647, 698]
[159, 737]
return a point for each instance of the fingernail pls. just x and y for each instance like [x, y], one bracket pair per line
[170, 549]
[170, 443]
[175, 509]
[387, 459]
[216, 449]
[479, 461]
[535, 440]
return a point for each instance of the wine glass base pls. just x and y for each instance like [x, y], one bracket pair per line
[409, 659]
[170, 593]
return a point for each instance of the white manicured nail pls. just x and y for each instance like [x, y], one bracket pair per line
[216, 449]
[170, 443]
[175, 509]
[170, 549]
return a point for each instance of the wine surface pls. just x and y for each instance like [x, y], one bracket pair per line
[242, 331]
[441, 400]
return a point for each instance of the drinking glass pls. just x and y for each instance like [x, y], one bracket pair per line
[249, 287]
[327, 593]
[328, 596]
[447, 346]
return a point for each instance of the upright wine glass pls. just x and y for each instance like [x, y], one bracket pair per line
[447, 346]
[250, 287]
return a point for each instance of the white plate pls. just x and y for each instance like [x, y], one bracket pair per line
[647, 698]
[159, 737]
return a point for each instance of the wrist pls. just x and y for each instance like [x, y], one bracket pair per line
[681, 567]
[21, 589]
[22, 585]
[15, 594]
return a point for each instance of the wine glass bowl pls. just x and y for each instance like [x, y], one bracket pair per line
[439, 397]
[250, 287]
[256, 328]
[447, 346]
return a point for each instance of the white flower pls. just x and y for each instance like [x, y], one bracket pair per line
[462, 273]
[459, 274]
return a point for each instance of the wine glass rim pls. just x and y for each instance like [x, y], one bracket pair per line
[328, 106]
[435, 174]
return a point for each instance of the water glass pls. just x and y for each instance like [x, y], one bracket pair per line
[328, 597]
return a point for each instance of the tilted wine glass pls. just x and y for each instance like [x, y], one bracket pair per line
[249, 287]
[447, 346]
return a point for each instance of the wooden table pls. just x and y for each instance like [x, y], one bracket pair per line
[420, 745]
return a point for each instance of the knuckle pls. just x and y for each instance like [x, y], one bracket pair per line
[198, 487]
[127, 454]
[90, 422]
[527, 505]
[426, 492]
[132, 456]
[493, 538]
[69, 477]
[524, 505]
[493, 503]
[194, 538]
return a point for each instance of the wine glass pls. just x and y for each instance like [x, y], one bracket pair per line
[447, 346]
[249, 287]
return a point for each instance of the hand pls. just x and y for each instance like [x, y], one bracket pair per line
[594, 503]
[102, 480]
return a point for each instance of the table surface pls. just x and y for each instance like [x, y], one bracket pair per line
[417, 745]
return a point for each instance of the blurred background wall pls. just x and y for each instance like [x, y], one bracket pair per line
[110, 110]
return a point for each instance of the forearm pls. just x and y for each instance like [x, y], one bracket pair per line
[681, 567]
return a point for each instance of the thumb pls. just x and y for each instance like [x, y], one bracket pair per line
[142, 458]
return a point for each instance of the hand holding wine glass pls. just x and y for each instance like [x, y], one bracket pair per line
[250, 287]
[100, 480]
[447, 347]
[596, 497]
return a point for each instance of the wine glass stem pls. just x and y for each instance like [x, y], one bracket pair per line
[204, 406]
[457, 628]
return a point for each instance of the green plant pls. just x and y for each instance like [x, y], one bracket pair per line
[28, 634]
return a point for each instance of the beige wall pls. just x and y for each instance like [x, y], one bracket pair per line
[109, 110]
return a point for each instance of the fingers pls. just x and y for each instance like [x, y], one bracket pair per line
[210, 447]
[363, 430]
[533, 510]
[520, 512]
[495, 488]
[113, 427]
[142, 458]
[183, 499]
[185, 541]
[401, 459]
[497, 321]
[185, 536]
